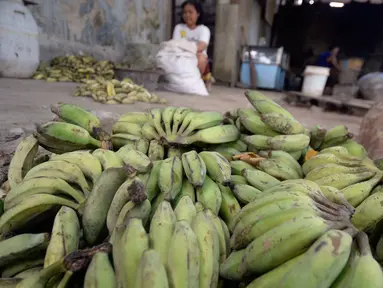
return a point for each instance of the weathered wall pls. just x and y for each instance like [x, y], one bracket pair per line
[100, 26]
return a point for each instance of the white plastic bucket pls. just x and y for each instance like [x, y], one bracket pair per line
[315, 80]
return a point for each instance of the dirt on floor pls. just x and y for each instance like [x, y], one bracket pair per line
[26, 102]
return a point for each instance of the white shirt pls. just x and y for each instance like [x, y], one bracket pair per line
[198, 34]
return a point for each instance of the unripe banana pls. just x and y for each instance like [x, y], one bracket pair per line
[178, 117]
[170, 177]
[100, 272]
[254, 124]
[237, 179]
[259, 142]
[208, 240]
[336, 132]
[135, 117]
[156, 115]
[285, 157]
[29, 272]
[342, 180]
[151, 272]
[174, 151]
[194, 168]
[203, 120]
[317, 136]
[184, 265]
[289, 143]
[229, 207]
[134, 210]
[209, 195]
[229, 268]
[277, 169]
[245, 193]
[227, 152]
[134, 243]
[167, 119]
[152, 188]
[259, 179]
[330, 169]
[186, 190]
[65, 236]
[213, 135]
[161, 230]
[142, 145]
[368, 213]
[12, 270]
[327, 158]
[355, 149]
[185, 209]
[137, 160]
[107, 158]
[22, 160]
[124, 127]
[238, 145]
[221, 234]
[156, 151]
[149, 132]
[282, 124]
[320, 266]
[218, 168]
[238, 165]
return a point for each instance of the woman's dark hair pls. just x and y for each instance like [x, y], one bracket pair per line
[198, 8]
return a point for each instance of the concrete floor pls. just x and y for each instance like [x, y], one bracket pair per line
[25, 102]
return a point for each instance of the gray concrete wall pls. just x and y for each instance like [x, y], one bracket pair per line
[103, 28]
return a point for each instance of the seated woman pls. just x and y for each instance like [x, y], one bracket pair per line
[192, 29]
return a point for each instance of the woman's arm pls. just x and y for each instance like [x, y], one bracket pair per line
[204, 39]
[176, 33]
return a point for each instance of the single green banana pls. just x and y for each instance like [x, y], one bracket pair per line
[223, 253]
[156, 115]
[238, 145]
[22, 160]
[334, 195]
[185, 209]
[142, 145]
[284, 242]
[124, 127]
[9, 282]
[229, 268]
[186, 190]
[161, 229]
[226, 152]
[208, 241]
[149, 132]
[98, 202]
[317, 136]
[209, 195]
[342, 180]
[335, 141]
[134, 210]
[327, 158]
[13, 269]
[134, 243]
[238, 166]
[107, 158]
[64, 170]
[336, 132]
[237, 179]
[264, 104]
[41, 185]
[330, 169]
[259, 142]
[289, 143]
[277, 169]
[100, 272]
[156, 151]
[285, 157]
[151, 272]
[178, 117]
[355, 149]
[217, 166]
[356, 193]
[203, 120]
[245, 193]
[29, 208]
[254, 124]
[76, 115]
[368, 213]
[194, 168]
[21, 246]
[65, 236]
[137, 160]
[88, 163]
[229, 207]
[259, 179]
[186, 121]
[29, 272]
[167, 119]
[213, 135]
[282, 124]
[320, 265]
[170, 177]
[184, 266]
[152, 187]
[135, 117]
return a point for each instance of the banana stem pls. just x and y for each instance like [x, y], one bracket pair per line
[363, 244]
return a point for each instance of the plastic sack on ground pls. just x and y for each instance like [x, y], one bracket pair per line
[178, 61]
[371, 86]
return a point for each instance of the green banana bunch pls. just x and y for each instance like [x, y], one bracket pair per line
[218, 168]
[100, 272]
[317, 136]
[98, 202]
[30, 208]
[265, 105]
[209, 246]
[60, 169]
[139, 118]
[194, 168]
[285, 242]
[184, 265]
[88, 163]
[76, 115]
[209, 195]
[362, 270]
[22, 160]
[282, 124]
[259, 179]
[41, 185]
[21, 247]
[229, 205]
[108, 159]
[185, 209]
[161, 230]
[151, 272]
[320, 266]
[65, 236]
[156, 151]
[170, 177]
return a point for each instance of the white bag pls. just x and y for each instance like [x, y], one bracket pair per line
[178, 61]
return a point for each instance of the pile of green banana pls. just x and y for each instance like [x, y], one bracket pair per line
[115, 92]
[177, 198]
